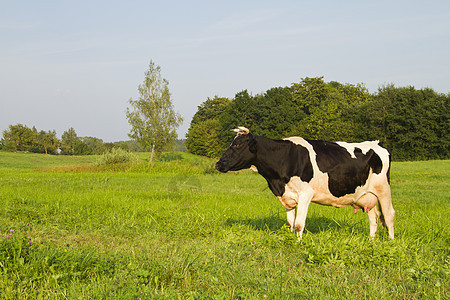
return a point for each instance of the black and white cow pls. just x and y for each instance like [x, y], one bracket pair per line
[299, 171]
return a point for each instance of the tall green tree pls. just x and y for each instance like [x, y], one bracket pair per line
[309, 93]
[275, 113]
[69, 139]
[210, 109]
[19, 138]
[202, 137]
[329, 109]
[48, 141]
[241, 112]
[152, 116]
[319, 103]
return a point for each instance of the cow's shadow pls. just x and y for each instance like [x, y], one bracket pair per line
[272, 222]
[314, 224]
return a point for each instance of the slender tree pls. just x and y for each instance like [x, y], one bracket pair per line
[152, 118]
[68, 141]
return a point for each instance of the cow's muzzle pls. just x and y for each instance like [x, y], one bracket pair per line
[220, 167]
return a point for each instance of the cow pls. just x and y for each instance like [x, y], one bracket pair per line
[300, 171]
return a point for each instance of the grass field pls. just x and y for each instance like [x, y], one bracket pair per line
[178, 229]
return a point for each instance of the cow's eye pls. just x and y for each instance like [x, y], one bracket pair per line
[235, 146]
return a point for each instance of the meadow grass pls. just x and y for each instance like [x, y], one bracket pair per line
[178, 229]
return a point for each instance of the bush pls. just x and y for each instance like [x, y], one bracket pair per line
[116, 156]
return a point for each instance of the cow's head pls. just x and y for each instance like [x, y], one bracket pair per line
[241, 153]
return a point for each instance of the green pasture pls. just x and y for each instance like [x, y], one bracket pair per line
[178, 229]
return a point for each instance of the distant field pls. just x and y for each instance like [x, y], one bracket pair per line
[21, 160]
[179, 229]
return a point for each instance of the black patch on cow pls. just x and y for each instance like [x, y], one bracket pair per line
[280, 160]
[345, 173]
[375, 163]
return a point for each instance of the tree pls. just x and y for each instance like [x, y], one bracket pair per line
[19, 138]
[202, 137]
[309, 93]
[94, 145]
[240, 112]
[153, 119]
[48, 141]
[329, 109]
[210, 109]
[81, 148]
[68, 141]
[276, 113]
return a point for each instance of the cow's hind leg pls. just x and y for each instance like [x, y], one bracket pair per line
[368, 202]
[373, 215]
[387, 210]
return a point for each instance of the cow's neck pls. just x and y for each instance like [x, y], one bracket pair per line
[270, 159]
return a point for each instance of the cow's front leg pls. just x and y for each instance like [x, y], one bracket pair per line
[302, 210]
[290, 213]
[289, 202]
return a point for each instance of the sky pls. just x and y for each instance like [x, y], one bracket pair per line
[77, 63]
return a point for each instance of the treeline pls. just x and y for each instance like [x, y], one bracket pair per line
[413, 124]
[22, 138]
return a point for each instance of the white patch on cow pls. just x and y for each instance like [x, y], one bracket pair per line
[364, 146]
[319, 182]
[254, 168]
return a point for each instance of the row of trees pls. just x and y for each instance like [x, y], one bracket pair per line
[413, 124]
[22, 138]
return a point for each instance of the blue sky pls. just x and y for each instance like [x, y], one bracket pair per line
[76, 64]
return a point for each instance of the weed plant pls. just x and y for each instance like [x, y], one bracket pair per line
[176, 229]
[116, 156]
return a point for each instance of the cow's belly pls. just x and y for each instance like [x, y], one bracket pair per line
[320, 193]
[329, 199]
[364, 198]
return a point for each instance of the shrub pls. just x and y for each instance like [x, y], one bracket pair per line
[116, 156]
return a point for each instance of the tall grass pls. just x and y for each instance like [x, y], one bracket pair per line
[178, 230]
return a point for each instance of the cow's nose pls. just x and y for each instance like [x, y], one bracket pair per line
[220, 167]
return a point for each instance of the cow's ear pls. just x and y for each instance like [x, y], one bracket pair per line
[252, 143]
